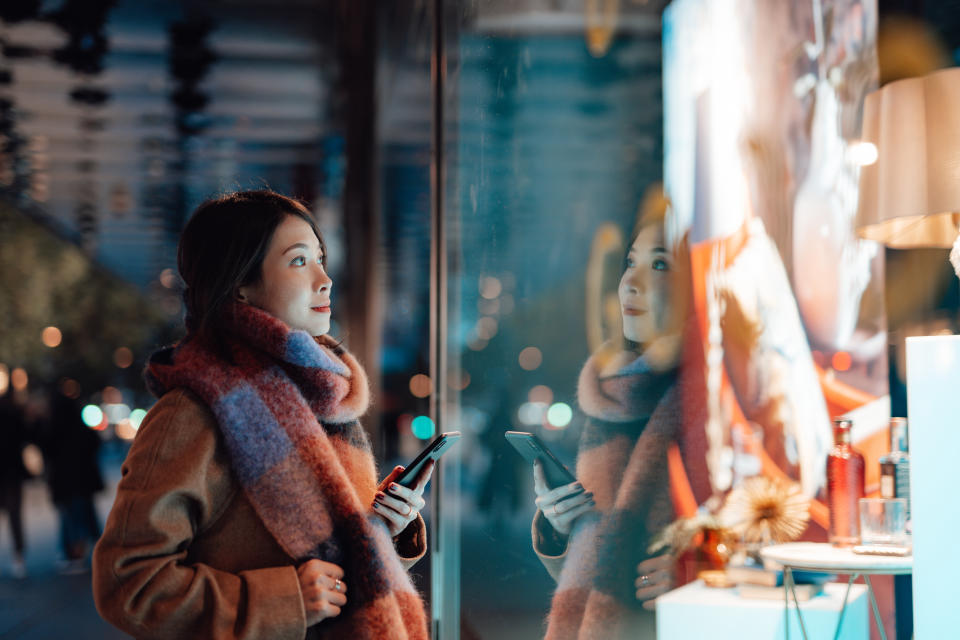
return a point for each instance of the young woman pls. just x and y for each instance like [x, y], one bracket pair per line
[249, 506]
[594, 542]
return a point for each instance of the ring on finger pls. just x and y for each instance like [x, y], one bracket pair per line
[338, 585]
[644, 580]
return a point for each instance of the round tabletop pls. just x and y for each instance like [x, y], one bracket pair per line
[822, 556]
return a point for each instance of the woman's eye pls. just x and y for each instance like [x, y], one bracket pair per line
[660, 265]
[320, 260]
[299, 261]
[630, 263]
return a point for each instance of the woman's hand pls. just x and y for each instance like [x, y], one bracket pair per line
[561, 513]
[398, 505]
[654, 578]
[323, 590]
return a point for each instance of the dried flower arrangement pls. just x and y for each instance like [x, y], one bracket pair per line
[760, 511]
[764, 510]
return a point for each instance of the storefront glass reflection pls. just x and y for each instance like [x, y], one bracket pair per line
[558, 138]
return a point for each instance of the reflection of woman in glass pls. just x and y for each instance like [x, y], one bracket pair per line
[249, 501]
[594, 542]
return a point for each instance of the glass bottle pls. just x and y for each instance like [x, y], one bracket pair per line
[895, 466]
[845, 486]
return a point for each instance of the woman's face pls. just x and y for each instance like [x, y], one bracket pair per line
[645, 287]
[293, 285]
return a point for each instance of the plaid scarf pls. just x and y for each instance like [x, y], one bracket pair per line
[633, 418]
[287, 407]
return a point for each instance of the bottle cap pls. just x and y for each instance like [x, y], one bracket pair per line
[841, 430]
[898, 435]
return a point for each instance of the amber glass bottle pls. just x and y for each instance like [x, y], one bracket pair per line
[845, 480]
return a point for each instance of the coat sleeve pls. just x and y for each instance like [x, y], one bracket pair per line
[411, 543]
[550, 546]
[176, 483]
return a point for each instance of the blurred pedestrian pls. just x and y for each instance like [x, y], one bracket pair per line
[12, 475]
[70, 451]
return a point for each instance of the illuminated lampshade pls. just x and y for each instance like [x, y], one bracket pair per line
[910, 197]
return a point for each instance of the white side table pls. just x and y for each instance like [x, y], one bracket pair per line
[698, 611]
[821, 556]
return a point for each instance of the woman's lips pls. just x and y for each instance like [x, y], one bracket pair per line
[629, 311]
[321, 309]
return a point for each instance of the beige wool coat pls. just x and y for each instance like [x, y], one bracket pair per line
[184, 555]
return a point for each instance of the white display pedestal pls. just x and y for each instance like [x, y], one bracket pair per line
[933, 406]
[699, 611]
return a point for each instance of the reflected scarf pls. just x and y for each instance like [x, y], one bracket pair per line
[634, 416]
[287, 407]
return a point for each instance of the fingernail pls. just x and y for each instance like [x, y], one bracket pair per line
[380, 495]
[376, 505]
[394, 486]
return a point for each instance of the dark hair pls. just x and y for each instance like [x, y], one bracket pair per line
[222, 248]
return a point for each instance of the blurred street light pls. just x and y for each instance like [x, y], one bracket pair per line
[52, 337]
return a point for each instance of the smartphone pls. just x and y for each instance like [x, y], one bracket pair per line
[532, 448]
[433, 451]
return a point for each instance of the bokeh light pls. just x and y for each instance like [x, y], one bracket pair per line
[559, 415]
[490, 287]
[19, 379]
[112, 395]
[423, 427]
[506, 305]
[4, 379]
[123, 357]
[531, 413]
[540, 393]
[52, 337]
[116, 412]
[92, 416]
[475, 343]
[125, 429]
[458, 379]
[421, 386]
[136, 417]
[168, 278]
[33, 459]
[486, 328]
[530, 358]
[841, 361]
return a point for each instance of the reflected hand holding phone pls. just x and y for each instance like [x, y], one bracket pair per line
[560, 497]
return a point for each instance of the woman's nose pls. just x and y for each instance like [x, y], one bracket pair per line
[322, 281]
[635, 281]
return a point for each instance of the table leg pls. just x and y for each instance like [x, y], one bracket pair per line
[788, 581]
[843, 607]
[787, 575]
[876, 609]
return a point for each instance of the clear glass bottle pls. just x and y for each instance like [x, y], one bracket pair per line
[845, 486]
[895, 466]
